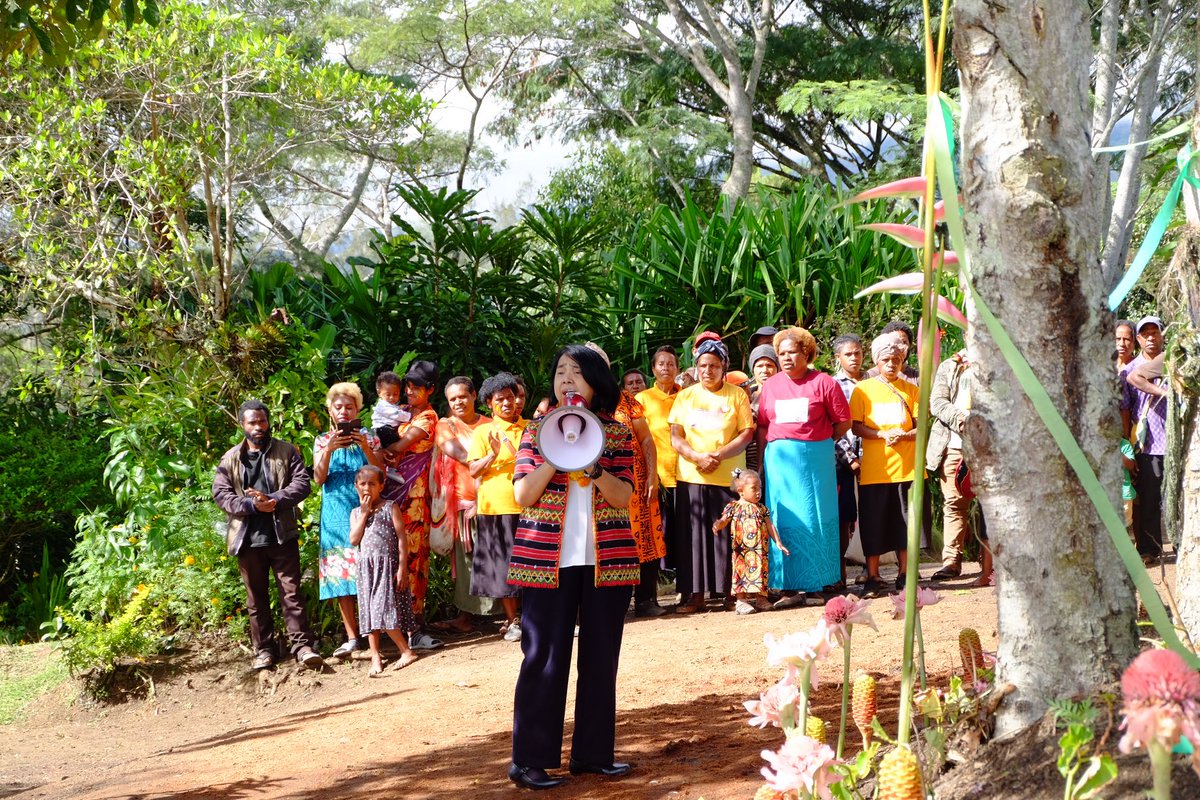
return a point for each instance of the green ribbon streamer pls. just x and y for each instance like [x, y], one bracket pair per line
[1157, 228]
[1055, 424]
[1118, 148]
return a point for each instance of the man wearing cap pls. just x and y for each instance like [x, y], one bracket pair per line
[1144, 421]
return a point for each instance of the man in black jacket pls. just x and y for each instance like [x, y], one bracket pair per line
[258, 484]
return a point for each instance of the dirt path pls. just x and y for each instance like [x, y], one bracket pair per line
[442, 727]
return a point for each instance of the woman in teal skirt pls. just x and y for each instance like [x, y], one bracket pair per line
[801, 412]
[337, 457]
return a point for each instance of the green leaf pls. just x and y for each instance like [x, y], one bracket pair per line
[151, 12]
[1100, 771]
[129, 11]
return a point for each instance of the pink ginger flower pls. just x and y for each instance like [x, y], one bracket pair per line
[801, 763]
[767, 709]
[925, 597]
[1161, 701]
[800, 649]
[843, 612]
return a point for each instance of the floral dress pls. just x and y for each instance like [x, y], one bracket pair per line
[338, 567]
[645, 517]
[381, 607]
[414, 501]
[748, 527]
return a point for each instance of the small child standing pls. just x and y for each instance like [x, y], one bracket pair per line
[751, 524]
[384, 601]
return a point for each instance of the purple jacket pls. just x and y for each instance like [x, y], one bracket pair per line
[289, 485]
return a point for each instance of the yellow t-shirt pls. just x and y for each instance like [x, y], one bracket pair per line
[710, 420]
[658, 409]
[495, 495]
[878, 407]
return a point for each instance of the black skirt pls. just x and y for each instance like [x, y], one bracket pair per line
[494, 535]
[702, 560]
[883, 517]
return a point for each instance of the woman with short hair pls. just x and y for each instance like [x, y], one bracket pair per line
[711, 425]
[801, 412]
[575, 560]
[338, 454]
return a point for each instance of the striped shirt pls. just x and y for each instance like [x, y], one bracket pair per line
[538, 544]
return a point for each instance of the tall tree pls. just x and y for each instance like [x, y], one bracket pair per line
[1034, 206]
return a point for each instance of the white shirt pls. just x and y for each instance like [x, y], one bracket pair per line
[579, 532]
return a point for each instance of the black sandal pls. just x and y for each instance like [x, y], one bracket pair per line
[874, 587]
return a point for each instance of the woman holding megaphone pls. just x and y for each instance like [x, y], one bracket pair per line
[574, 557]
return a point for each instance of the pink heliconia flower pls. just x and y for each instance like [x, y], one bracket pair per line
[1162, 701]
[767, 709]
[925, 597]
[800, 649]
[801, 763]
[845, 611]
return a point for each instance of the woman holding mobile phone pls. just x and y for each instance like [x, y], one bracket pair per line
[338, 454]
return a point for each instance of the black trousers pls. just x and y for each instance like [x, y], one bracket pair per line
[547, 635]
[256, 565]
[1148, 531]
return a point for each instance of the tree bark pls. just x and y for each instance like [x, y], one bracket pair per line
[1033, 208]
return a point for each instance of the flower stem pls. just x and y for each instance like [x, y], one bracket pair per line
[845, 690]
[1160, 767]
[802, 711]
[920, 649]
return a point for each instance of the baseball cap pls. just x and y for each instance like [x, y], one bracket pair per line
[1149, 321]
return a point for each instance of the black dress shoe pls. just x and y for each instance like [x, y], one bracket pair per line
[613, 770]
[532, 777]
[649, 609]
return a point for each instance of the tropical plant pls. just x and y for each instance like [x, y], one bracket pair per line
[795, 258]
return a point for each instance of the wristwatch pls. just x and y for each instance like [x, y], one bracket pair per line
[594, 472]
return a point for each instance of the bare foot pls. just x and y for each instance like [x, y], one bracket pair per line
[404, 660]
[376, 667]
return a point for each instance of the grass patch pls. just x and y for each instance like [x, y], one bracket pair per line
[26, 673]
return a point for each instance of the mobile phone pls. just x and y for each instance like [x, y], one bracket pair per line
[347, 428]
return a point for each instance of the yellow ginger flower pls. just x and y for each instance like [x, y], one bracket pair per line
[862, 704]
[899, 776]
[971, 651]
[189, 560]
[815, 729]
[766, 792]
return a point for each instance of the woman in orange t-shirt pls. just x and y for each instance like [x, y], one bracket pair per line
[453, 438]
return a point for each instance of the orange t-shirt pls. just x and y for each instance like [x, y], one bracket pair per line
[453, 428]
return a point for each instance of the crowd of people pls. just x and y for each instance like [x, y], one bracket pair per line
[747, 487]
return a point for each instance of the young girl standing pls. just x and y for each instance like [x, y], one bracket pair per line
[751, 524]
[384, 601]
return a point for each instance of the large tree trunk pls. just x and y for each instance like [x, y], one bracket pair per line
[1033, 205]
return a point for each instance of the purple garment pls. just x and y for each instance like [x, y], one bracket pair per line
[1147, 406]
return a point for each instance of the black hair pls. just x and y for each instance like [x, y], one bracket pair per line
[666, 348]
[498, 383]
[422, 373]
[251, 405]
[903, 327]
[370, 469]
[1126, 323]
[632, 370]
[845, 339]
[595, 374]
[389, 378]
[461, 380]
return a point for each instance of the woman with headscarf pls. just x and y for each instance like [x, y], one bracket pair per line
[338, 454]
[710, 428]
[763, 364]
[801, 412]
[884, 414]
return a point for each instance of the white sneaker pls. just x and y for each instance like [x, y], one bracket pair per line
[742, 608]
[513, 634]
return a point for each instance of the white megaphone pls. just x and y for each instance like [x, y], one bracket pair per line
[570, 438]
